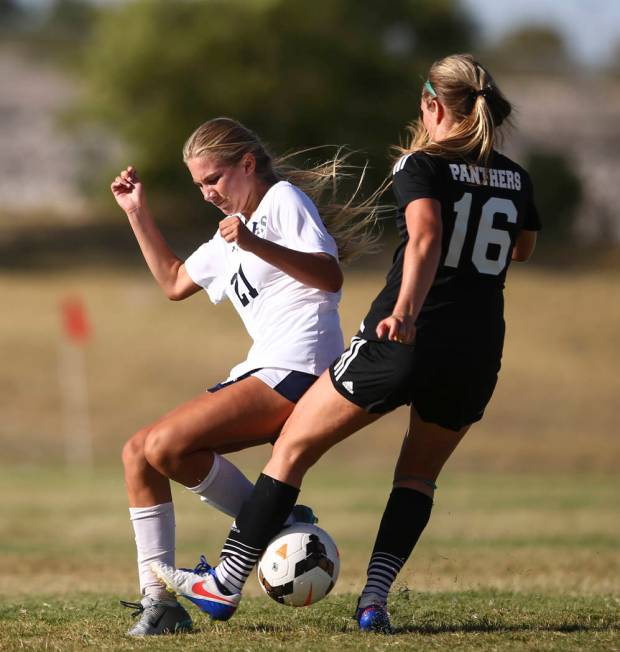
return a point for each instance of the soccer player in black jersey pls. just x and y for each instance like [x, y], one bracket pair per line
[432, 338]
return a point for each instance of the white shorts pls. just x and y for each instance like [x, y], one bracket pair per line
[290, 384]
[271, 376]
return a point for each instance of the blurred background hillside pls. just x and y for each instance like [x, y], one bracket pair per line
[89, 86]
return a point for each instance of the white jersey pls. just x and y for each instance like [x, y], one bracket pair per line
[292, 326]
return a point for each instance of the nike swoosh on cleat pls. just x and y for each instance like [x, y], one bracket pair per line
[199, 588]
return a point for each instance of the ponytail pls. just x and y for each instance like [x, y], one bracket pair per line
[468, 91]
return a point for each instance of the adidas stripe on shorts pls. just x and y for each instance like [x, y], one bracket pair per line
[449, 387]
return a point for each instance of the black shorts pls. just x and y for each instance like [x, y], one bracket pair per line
[447, 386]
[293, 386]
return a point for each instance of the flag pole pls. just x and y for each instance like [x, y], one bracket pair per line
[73, 384]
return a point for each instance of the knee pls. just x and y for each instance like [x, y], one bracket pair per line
[294, 456]
[133, 450]
[161, 452]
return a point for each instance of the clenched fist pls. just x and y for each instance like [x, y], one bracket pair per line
[128, 191]
[233, 229]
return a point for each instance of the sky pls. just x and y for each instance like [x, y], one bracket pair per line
[591, 27]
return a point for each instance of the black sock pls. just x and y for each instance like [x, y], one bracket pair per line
[406, 514]
[260, 519]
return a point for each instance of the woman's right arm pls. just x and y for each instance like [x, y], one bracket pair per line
[421, 259]
[167, 269]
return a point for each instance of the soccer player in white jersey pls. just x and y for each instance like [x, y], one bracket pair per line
[432, 338]
[273, 257]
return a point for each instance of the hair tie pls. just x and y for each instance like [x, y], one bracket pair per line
[483, 92]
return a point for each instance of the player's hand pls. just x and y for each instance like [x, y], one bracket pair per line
[397, 328]
[128, 191]
[232, 229]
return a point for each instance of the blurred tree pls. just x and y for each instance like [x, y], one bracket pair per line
[65, 31]
[11, 16]
[539, 49]
[71, 18]
[299, 74]
[614, 61]
[558, 191]
[9, 9]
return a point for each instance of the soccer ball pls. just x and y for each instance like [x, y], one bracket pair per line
[299, 566]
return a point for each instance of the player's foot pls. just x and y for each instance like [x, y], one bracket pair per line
[373, 618]
[202, 588]
[165, 616]
[202, 567]
[303, 514]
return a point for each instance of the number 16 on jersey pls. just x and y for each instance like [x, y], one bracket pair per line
[485, 236]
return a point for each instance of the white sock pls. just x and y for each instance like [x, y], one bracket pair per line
[225, 487]
[154, 529]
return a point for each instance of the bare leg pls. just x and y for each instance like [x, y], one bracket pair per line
[180, 445]
[248, 413]
[151, 513]
[425, 450]
[321, 419]
[145, 485]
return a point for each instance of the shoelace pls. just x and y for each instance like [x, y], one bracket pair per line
[138, 606]
[203, 566]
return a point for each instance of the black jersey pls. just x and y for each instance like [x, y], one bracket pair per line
[482, 211]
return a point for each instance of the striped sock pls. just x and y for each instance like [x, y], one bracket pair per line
[404, 519]
[260, 519]
[236, 562]
[382, 571]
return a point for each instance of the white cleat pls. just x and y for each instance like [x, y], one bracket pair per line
[165, 616]
[203, 589]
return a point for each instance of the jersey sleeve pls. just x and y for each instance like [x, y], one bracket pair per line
[296, 220]
[531, 220]
[205, 268]
[414, 177]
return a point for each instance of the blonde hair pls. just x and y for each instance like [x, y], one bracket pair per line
[467, 90]
[351, 224]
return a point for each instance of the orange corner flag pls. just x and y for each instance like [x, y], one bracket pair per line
[75, 320]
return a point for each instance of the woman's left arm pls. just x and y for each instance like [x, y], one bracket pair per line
[317, 270]
[421, 259]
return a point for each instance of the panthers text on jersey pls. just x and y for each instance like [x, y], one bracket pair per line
[482, 211]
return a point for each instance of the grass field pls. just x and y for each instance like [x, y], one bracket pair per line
[477, 620]
[522, 551]
[510, 560]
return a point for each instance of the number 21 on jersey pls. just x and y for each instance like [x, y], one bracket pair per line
[243, 288]
[485, 236]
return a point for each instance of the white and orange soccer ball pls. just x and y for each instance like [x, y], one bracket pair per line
[299, 566]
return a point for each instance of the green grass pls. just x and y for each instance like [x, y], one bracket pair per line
[523, 561]
[481, 620]
[507, 532]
